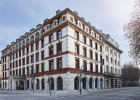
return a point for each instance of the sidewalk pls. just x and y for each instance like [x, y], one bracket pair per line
[60, 93]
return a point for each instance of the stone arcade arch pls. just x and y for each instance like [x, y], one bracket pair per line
[84, 83]
[59, 83]
[43, 85]
[37, 84]
[96, 82]
[51, 82]
[90, 83]
[76, 83]
[101, 83]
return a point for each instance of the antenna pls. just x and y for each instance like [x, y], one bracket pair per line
[67, 3]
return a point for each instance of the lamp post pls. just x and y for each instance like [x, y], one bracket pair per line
[81, 77]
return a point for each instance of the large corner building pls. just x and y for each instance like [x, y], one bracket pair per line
[55, 52]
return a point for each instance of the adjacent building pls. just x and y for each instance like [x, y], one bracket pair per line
[51, 56]
[112, 63]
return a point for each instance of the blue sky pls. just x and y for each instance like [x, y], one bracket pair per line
[19, 16]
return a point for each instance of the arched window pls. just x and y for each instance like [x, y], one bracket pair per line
[43, 87]
[27, 41]
[96, 83]
[32, 39]
[5, 85]
[51, 83]
[59, 83]
[90, 83]
[37, 36]
[101, 83]
[76, 83]
[84, 83]
[37, 84]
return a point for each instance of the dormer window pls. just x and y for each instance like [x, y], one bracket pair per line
[83, 26]
[51, 25]
[76, 22]
[89, 31]
[59, 20]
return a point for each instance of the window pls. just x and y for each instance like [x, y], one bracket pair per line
[77, 49]
[23, 51]
[19, 62]
[37, 57]
[51, 51]
[32, 48]
[96, 46]
[107, 69]
[89, 31]
[16, 55]
[32, 58]
[51, 65]
[84, 38]
[90, 43]
[91, 67]
[23, 61]
[42, 55]
[83, 26]
[101, 48]
[95, 35]
[27, 50]
[106, 58]
[101, 69]
[91, 55]
[51, 38]
[76, 21]
[111, 60]
[37, 46]
[59, 63]
[96, 56]
[51, 25]
[101, 58]
[77, 35]
[59, 20]
[85, 66]
[42, 43]
[118, 63]
[42, 67]
[97, 68]
[27, 60]
[77, 64]
[59, 34]
[37, 68]
[111, 69]
[59, 48]
[115, 62]
[84, 52]
[115, 71]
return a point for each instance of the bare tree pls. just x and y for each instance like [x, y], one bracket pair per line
[132, 32]
[130, 75]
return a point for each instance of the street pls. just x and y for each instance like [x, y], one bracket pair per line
[130, 93]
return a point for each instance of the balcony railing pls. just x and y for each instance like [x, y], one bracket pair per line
[108, 74]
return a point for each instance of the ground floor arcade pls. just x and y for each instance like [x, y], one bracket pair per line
[112, 83]
[67, 81]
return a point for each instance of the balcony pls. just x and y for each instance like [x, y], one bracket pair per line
[113, 75]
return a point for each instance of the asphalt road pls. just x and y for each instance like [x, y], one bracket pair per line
[131, 93]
